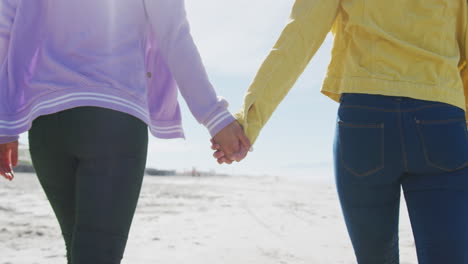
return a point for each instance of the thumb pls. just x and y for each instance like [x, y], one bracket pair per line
[14, 155]
[245, 142]
[241, 154]
[7, 160]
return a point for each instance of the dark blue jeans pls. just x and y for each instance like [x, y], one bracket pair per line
[384, 143]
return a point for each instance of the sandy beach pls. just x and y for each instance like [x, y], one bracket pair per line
[200, 220]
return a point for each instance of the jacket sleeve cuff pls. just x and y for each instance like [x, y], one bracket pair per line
[249, 118]
[252, 129]
[8, 139]
[218, 121]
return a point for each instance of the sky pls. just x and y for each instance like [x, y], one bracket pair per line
[234, 37]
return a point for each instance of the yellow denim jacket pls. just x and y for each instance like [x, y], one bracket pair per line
[411, 48]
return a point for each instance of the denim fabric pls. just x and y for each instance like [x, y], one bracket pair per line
[385, 143]
[90, 162]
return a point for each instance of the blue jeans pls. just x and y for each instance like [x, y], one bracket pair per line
[384, 143]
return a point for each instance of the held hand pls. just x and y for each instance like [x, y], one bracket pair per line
[219, 154]
[8, 159]
[232, 142]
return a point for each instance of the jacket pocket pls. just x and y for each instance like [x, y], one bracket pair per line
[361, 147]
[444, 143]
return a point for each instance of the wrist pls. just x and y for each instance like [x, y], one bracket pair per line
[219, 122]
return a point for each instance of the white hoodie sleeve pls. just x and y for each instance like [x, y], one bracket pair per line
[170, 25]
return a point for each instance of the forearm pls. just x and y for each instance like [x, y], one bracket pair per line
[168, 18]
[310, 23]
[194, 84]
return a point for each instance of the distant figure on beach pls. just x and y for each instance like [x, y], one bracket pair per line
[195, 172]
[87, 79]
[397, 70]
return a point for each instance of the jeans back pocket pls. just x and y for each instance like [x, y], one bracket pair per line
[361, 147]
[444, 143]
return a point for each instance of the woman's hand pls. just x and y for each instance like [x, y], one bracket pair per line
[231, 144]
[219, 154]
[8, 159]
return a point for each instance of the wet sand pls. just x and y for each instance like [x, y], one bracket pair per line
[202, 220]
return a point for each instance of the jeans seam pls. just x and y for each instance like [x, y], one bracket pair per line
[393, 111]
[378, 125]
[443, 121]
[402, 140]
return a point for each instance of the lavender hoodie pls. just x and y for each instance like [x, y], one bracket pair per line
[125, 55]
